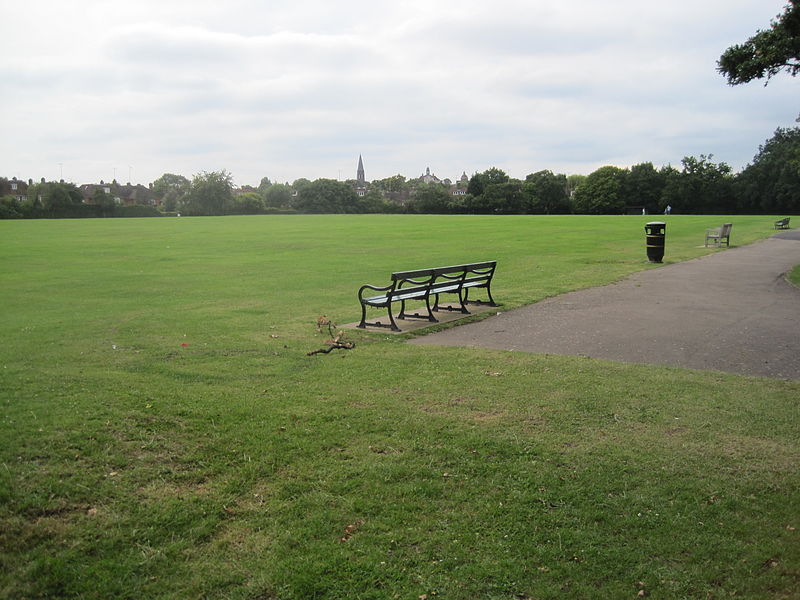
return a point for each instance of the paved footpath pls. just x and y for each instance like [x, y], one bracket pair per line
[729, 311]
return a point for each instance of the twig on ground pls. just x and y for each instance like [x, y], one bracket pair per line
[335, 343]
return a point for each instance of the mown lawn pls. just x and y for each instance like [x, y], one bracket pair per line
[165, 434]
[794, 275]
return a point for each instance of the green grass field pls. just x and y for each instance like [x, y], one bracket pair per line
[165, 435]
[794, 276]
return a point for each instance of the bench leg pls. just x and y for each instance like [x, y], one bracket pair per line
[391, 318]
[489, 293]
[491, 301]
[430, 312]
[429, 316]
[462, 300]
[363, 324]
[438, 308]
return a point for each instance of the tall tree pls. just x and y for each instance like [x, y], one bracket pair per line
[327, 196]
[644, 185]
[210, 193]
[264, 185]
[395, 183]
[767, 52]
[601, 192]
[168, 182]
[429, 198]
[479, 181]
[249, 203]
[546, 193]
[771, 182]
[277, 195]
[573, 181]
[701, 187]
[170, 189]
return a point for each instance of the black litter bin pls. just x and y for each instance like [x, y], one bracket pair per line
[655, 240]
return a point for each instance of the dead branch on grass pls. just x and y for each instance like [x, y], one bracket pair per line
[336, 342]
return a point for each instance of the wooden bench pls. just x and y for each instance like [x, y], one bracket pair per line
[426, 285]
[718, 234]
[782, 224]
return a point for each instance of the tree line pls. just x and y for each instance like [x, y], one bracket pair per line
[769, 184]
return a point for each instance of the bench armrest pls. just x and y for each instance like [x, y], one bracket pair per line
[374, 288]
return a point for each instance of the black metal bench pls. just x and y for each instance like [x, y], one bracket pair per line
[427, 285]
[782, 223]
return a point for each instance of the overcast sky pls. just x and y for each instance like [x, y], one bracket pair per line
[289, 89]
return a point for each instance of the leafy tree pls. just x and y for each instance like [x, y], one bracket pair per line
[170, 189]
[209, 194]
[249, 203]
[327, 196]
[573, 181]
[300, 183]
[504, 198]
[104, 201]
[374, 202]
[278, 195]
[9, 208]
[394, 188]
[394, 184]
[767, 52]
[54, 197]
[429, 198]
[479, 181]
[263, 186]
[61, 195]
[771, 182]
[701, 187]
[644, 186]
[168, 182]
[458, 205]
[546, 193]
[601, 192]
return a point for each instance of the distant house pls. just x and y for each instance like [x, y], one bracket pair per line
[14, 187]
[245, 189]
[121, 194]
[460, 186]
[429, 178]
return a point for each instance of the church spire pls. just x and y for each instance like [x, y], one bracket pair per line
[360, 178]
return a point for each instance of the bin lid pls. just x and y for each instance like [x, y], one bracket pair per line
[656, 223]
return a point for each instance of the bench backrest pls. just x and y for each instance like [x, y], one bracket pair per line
[440, 276]
[783, 221]
[425, 274]
[419, 274]
[726, 230]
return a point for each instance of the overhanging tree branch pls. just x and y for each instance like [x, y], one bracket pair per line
[766, 53]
